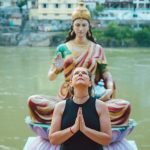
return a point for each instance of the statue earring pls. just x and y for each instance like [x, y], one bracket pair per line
[89, 34]
[72, 32]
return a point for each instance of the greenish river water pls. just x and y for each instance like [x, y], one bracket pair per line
[23, 72]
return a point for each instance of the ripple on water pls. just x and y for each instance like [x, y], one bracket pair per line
[142, 65]
[4, 147]
[17, 138]
[146, 146]
[9, 93]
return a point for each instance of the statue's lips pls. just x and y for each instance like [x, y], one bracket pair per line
[80, 32]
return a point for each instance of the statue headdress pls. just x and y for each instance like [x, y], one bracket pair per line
[81, 12]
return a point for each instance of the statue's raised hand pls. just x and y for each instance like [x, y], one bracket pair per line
[107, 95]
[58, 61]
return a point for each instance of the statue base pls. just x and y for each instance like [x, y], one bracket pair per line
[118, 132]
[38, 143]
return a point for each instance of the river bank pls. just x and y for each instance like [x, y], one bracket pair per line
[113, 36]
[43, 39]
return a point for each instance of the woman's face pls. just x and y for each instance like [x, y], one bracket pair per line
[81, 77]
[81, 27]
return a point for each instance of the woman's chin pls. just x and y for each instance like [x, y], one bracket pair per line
[81, 84]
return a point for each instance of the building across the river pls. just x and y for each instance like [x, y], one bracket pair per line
[113, 10]
[126, 11]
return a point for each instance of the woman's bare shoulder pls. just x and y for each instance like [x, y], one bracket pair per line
[60, 106]
[100, 106]
[100, 103]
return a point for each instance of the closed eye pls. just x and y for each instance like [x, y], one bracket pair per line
[82, 72]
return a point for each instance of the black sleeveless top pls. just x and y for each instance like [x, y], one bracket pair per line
[79, 141]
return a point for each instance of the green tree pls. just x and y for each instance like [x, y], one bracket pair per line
[97, 33]
[124, 33]
[142, 37]
[21, 3]
[111, 30]
[99, 8]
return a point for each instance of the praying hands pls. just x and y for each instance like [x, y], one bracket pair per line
[79, 122]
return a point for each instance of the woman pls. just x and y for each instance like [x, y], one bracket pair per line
[81, 122]
[80, 50]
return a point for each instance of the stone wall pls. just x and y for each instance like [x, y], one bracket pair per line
[31, 39]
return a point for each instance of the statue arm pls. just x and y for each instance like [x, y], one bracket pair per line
[109, 85]
[57, 65]
[52, 74]
[108, 80]
[103, 73]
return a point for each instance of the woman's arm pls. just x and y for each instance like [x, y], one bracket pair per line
[56, 135]
[104, 136]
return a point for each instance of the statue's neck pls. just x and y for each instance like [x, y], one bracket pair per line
[81, 41]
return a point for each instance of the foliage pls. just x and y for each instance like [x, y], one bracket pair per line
[95, 12]
[21, 3]
[97, 33]
[142, 37]
[122, 36]
[99, 7]
[118, 36]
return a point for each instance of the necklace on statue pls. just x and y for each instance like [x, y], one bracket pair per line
[78, 49]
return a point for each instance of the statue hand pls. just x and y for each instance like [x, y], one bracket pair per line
[107, 95]
[58, 61]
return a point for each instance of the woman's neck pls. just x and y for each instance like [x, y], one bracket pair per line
[80, 97]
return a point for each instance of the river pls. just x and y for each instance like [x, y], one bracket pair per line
[23, 72]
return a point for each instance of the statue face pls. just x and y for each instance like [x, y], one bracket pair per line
[80, 27]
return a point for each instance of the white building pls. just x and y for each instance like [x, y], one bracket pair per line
[126, 11]
[91, 4]
[7, 3]
[117, 10]
[32, 4]
[53, 9]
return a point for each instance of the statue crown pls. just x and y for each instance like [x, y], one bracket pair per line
[81, 12]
